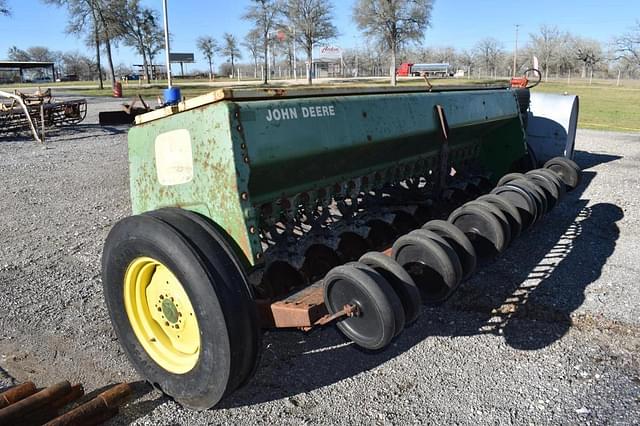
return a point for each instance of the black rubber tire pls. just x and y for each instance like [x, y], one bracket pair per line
[522, 200]
[537, 193]
[458, 241]
[548, 187]
[483, 229]
[429, 264]
[559, 184]
[398, 310]
[567, 170]
[375, 325]
[455, 260]
[221, 306]
[201, 232]
[509, 177]
[399, 279]
[502, 218]
[509, 210]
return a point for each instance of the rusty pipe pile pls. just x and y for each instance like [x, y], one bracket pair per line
[24, 404]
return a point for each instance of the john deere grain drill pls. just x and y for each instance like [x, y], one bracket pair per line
[296, 208]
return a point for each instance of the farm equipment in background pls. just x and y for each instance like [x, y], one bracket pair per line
[23, 112]
[127, 115]
[297, 208]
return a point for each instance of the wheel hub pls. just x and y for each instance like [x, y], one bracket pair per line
[169, 311]
[161, 315]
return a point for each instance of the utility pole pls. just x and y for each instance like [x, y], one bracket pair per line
[166, 41]
[515, 52]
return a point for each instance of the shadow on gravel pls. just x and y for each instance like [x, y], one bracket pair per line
[79, 131]
[526, 296]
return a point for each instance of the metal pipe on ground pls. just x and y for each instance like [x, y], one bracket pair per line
[96, 411]
[17, 393]
[14, 413]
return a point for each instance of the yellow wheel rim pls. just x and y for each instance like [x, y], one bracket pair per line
[161, 315]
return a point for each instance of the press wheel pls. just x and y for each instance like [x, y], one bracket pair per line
[481, 227]
[458, 241]
[537, 193]
[430, 264]
[400, 281]
[502, 218]
[510, 177]
[567, 170]
[522, 200]
[558, 183]
[547, 185]
[373, 325]
[509, 210]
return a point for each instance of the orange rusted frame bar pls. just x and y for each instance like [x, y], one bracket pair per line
[304, 309]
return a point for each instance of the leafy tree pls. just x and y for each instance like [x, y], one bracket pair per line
[312, 22]
[230, 49]
[208, 47]
[264, 15]
[394, 23]
[140, 28]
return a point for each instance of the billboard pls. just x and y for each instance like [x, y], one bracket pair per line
[181, 57]
[329, 52]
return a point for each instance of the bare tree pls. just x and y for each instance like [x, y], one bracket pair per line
[208, 47]
[75, 63]
[4, 8]
[84, 18]
[488, 52]
[628, 46]
[546, 44]
[15, 54]
[312, 22]
[264, 15]
[589, 53]
[394, 22]
[41, 54]
[230, 49]
[466, 59]
[252, 43]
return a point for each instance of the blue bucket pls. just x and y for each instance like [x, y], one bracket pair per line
[172, 96]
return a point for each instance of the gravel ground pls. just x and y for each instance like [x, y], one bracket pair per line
[547, 333]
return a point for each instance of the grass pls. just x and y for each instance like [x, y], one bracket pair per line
[603, 105]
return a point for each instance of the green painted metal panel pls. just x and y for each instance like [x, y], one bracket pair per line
[214, 189]
[227, 159]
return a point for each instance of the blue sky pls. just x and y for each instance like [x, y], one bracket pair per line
[458, 23]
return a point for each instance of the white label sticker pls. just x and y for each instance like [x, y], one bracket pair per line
[174, 161]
